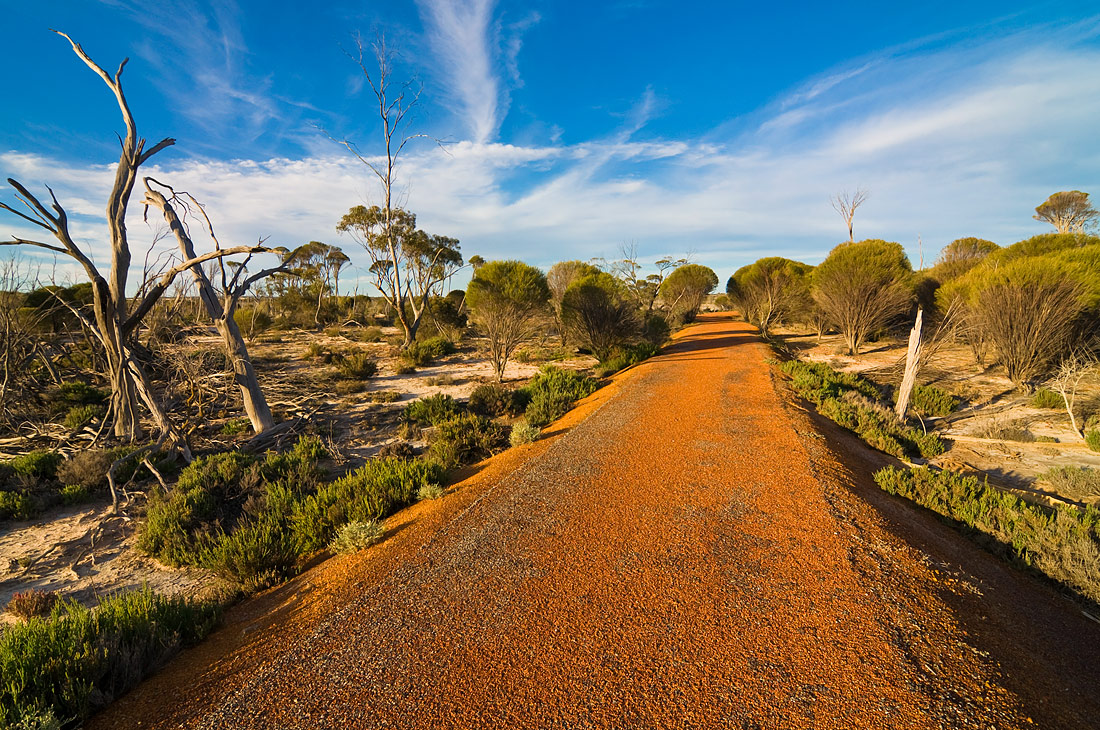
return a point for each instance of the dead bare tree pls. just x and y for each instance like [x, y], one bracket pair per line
[220, 302]
[114, 323]
[846, 204]
[1078, 366]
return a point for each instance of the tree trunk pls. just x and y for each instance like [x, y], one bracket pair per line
[255, 404]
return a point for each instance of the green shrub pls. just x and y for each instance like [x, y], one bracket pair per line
[523, 433]
[431, 411]
[624, 357]
[1092, 439]
[235, 427]
[74, 494]
[358, 366]
[41, 465]
[1063, 543]
[17, 506]
[816, 381]
[1046, 398]
[37, 720]
[428, 351]
[384, 396]
[370, 334]
[553, 392]
[466, 439]
[356, 536]
[404, 368]
[1074, 482]
[928, 400]
[78, 660]
[498, 400]
[32, 604]
[76, 393]
[372, 492]
[78, 416]
[431, 491]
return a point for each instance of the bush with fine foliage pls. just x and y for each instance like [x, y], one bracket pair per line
[928, 400]
[523, 433]
[41, 465]
[356, 536]
[494, 399]
[863, 288]
[685, 289]
[431, 410]
[505, 299]
[624, 357]
[357, 366]
[76, 660]
[770, 291]
[598, 313]
[553, 392]
[1063, 543]
[466, 439]
[32, 604]
[426, 352]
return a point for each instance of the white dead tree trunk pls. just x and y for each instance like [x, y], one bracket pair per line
[113, 323]
[220, 305]
[846, 204]
[912, 365]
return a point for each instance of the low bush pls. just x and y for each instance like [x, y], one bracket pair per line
[76, 393]
[77, 660]
[428, 351]
[1046, 398]
[356, 536]
[553, 392]
[431, 491]
[384, 396]
[1074, 482]
[928, 400]
[404, 368]
[624, 357]
[1000, 430]
[852, 402]
[370, 334]
[32, 604]
[498, 400]
[41, 465]
[431, 411]
[372, 492]
[357, 366]
[397, 449]
[235, 427]
[1092, 439]
[79, 416]
[466, 439]
[523, 433]
[74, 494]
[1063, 543]
[17, 506]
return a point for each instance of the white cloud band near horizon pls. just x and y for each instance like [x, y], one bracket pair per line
[949, 142]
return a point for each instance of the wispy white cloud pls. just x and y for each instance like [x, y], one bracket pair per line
[968, 153]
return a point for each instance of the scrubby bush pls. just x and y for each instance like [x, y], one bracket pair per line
[863, 288]
[77, 660]
[853, 403]
[655, 329]
[78, 416]
[1092, 439]
[426, 352]
[431, 491]
[384, 396]
[398, 450]
[358, 366]
[1046, 398]
[41, 465]
[1074, 482]
[505, 298]
[77, 393]
[597, 312]
[553, 392]
[17, 506]
[466, 439]
[1063, 543]
[685, 289]
[356, 536]
[498, 400]
[624, 357]
[404, 368]
[523, 433]
[770, 291]
[928, 400]
[32, 604]
[431, 410]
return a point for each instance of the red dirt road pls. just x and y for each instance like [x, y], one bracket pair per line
[691, 553]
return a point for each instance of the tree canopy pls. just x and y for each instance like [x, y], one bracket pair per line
[685, 289]
[504, 298]
[1068, 211]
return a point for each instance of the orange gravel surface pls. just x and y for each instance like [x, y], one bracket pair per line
[687, 549]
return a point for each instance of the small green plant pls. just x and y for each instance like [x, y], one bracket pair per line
[235, 427]
[41, 465]
[79, 416]
[928, 400]
[37, 720]
[431, 491]
[315, 349]
[431, 411]
[523, 433]
[1063, 543]
[385, 396]
[624, 357]
[370, 334]
[76, 393]
[74, 494]
[357, 366]
[428, 351]
[17, 506]
[1046, 398]
[553, 392]
[1006, 431]
[466, 439]
[441, 380]
[404, 368]
[32, 604]
[495, 399]
[1092, 439]
[76, 660]
[1074, 482]
[356, 536]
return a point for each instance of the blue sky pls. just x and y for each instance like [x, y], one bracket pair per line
[716, 129]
